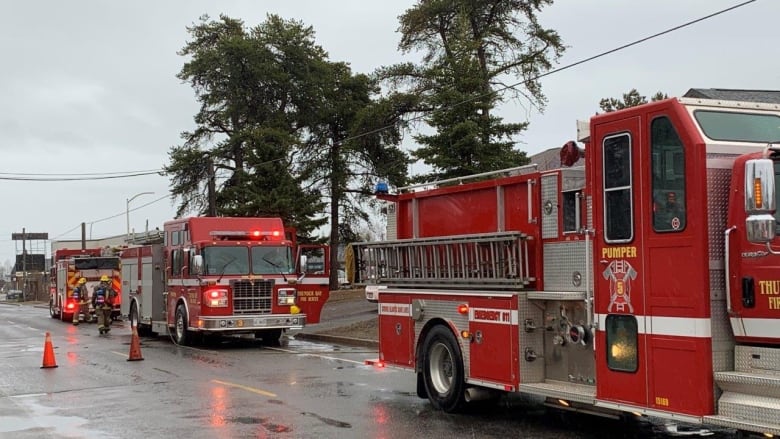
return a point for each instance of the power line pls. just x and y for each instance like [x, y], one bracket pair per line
[112, 216]
[560, 69]
[102, 177]
[79, 173]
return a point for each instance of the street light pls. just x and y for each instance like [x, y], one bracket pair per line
[127, 210]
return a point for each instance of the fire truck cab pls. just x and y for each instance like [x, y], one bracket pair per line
[216, 275]
[646, 281]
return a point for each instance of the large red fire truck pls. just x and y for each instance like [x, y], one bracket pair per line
[646, 281]
[72, 264]
[221, 276]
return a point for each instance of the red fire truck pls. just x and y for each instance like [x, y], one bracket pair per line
[72, 264]
[220, 276]
[646, 281]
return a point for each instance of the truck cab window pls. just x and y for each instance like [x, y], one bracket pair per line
[571, 211]
[667, 161]
[218, 260]
[618, 211]
[272, 260]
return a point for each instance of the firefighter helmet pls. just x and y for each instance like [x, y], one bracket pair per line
[104, 278]
[82, 281]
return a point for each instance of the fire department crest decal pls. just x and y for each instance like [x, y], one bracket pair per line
[620, 275]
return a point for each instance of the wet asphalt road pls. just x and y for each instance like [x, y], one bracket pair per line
[236, 389]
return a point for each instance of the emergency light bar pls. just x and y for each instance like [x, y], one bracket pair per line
[245, 234]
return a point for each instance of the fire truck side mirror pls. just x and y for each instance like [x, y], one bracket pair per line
[760, 200]
[197, 264]
[303, 262]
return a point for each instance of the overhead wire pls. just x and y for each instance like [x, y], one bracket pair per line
[113, 175]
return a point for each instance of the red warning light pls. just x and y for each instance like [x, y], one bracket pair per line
[255, 233]
[277, 233]
[463, 308]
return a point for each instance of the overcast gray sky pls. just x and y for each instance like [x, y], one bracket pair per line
[90, 86]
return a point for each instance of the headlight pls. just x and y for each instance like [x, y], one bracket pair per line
[287, 296]
[216, 298]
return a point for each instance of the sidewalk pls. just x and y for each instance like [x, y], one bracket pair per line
[347, 318]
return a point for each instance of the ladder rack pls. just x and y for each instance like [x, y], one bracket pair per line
[496, 261]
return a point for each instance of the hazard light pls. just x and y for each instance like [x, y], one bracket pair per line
[216, 298]
[760, 202]
[286, 296]
[463, 308]
[71, 306]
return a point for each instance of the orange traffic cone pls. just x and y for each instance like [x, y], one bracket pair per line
[48, 353]
[135, 346]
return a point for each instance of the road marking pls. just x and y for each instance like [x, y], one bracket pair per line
[118, 353]
[326, 357]
[247, 388]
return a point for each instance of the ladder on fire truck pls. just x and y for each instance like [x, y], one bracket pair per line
[494, 261]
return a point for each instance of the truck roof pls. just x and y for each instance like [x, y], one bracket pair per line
[212, 228]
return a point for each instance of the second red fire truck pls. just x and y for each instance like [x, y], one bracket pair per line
[220, 276]
[69, 266]
[646, 281]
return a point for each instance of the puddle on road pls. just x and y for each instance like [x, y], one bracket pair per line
[41, 420]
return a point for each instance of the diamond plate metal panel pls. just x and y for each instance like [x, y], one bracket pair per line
[569, 391]
[589, 202]
[550, 193]
[561, 260]
[444, 309]
[754, 359]
[749, 408]
[722, 341]
[531, 371]
[718, 181]
[573, 178]
[749, 383]
[565, 360]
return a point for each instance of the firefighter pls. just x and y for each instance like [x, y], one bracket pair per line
[81, 297]
[102, 300]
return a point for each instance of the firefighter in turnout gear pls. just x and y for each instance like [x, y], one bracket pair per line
[81, 298]
[102, 300]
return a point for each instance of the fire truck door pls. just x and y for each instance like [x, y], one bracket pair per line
[618, 205]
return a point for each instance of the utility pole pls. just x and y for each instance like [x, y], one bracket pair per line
[24, 264]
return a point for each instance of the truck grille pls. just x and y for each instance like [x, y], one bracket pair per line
[252, 296]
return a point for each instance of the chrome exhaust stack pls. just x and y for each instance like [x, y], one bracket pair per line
[479, 394]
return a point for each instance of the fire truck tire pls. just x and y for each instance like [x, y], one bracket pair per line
[134, 320]
[180, 333]
[54, 314]
[443, 370]
[271, 337]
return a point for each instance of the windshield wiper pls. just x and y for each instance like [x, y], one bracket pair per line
[224, 267]
[277, 266]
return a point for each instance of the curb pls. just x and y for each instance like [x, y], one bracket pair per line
[338, 340]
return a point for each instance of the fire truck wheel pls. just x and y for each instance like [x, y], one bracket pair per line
[271, 337]
[52, 312]
[181, 334]
[443, 370]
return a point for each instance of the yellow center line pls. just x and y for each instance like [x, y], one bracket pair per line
[247, 388]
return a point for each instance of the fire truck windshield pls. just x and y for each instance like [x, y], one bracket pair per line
[225, 260]
[739, 127]
[102, 263]
[234, 260]
[272, 260]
